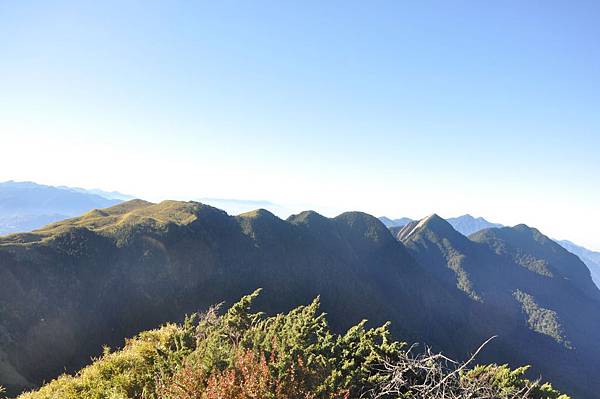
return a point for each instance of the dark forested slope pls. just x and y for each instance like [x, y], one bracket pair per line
[76, 285]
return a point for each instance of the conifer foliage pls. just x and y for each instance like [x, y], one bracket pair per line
[244, 355]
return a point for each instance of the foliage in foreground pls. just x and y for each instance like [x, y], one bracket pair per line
[245, 355]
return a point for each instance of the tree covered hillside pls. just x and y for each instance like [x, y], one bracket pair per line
[79, 284]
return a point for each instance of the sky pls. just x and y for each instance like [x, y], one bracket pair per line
[389, 107]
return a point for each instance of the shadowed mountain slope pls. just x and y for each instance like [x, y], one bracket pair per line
[84, 282]
[75, 285]
[520, 278]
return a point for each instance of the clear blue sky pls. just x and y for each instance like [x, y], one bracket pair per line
[396, 108]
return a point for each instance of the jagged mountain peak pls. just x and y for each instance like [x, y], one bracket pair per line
[466, 224]
[433, 223]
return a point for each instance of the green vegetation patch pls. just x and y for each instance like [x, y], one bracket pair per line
[541, 320]
[245, 355]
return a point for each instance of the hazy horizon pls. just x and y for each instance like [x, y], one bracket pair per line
[391, 109]
[236, 206]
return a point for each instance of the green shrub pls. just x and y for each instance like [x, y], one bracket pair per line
[246, 355]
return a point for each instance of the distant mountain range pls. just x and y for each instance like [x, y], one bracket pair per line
[395, 222]
[114, 195]
[25, 206]
[590, 258]
[465, 224]
[73, 286]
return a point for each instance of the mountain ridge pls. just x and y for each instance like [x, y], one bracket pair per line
[141, 264]
[465, 224]
[25, 206]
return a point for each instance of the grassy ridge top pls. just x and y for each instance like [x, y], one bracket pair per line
[107, 221]
[140, 264]
[139, 213]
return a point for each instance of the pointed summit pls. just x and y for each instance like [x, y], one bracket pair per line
[433, 224]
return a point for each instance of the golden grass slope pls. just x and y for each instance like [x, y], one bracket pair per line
[110, 220]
